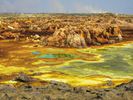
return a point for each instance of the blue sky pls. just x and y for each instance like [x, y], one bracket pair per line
[67, 6]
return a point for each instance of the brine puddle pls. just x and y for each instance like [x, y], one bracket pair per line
[94, 67]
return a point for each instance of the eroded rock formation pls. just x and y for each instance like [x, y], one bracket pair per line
[66, 30]
[79, 37]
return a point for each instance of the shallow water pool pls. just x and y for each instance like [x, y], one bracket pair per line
[79, 67]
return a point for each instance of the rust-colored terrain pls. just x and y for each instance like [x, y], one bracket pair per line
[67, 30]
[66, 57]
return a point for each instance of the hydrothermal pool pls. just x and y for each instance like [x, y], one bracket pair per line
[94, 67]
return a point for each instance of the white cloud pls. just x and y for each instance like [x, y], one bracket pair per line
[83, 8]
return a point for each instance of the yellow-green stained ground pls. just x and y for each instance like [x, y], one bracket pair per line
[91, 67]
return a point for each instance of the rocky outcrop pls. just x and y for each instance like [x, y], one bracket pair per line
[23, 78]
[10, 35]
[66, 30]
[61, 91]
[80, 38]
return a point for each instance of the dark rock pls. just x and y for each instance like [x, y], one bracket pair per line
[23, 78]
[4, 96]
[7, 88]
[61, 86]
[61, 91]
[47, 97]
[109, 83]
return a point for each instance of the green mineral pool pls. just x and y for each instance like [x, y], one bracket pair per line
[93, 67]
